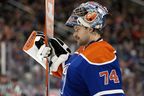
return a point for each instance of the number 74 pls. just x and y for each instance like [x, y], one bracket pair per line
[108, 77]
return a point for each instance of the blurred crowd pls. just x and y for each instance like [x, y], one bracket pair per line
[25, 77]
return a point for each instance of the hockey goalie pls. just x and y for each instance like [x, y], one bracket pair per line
[93, 70]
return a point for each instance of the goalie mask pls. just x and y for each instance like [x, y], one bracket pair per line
[90, 14]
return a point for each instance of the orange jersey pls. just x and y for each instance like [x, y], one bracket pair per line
[98, 52]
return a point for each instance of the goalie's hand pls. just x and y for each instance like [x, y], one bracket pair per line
[43, 50]
[58, 52]
[61, 53]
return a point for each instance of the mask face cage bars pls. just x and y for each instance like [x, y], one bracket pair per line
[80, 11]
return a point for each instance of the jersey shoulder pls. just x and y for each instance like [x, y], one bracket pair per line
[99, 53]
[80, 49]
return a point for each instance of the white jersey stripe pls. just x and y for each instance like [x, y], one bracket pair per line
[109, 92]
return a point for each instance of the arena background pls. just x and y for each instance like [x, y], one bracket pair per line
[25, 77]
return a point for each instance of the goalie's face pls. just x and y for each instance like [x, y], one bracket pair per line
[81, 35]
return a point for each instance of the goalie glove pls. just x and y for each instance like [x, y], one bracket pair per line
[61, 53]
[57, 53]
[43, 50]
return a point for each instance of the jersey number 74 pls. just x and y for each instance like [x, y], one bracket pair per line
[112, 76]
